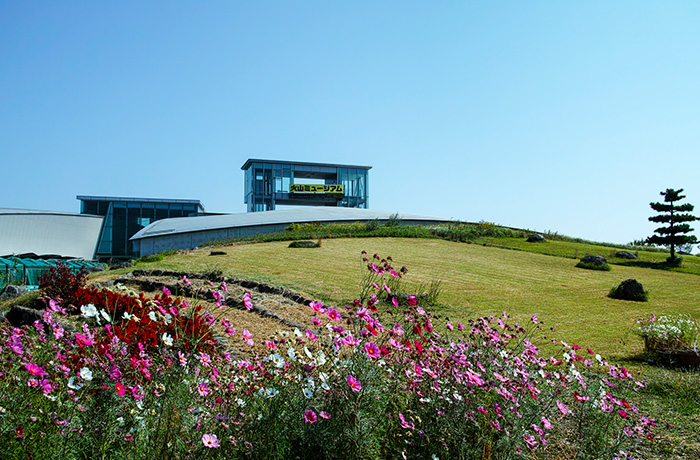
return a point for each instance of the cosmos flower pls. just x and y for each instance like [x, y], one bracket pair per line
[210, 441]
[310, 416]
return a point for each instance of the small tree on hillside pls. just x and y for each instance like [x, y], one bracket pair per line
[675, 232]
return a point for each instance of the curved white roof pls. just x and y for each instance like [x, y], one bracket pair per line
[279, 216]
[48, 232]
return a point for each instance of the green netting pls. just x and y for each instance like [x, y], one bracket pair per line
[27, 272]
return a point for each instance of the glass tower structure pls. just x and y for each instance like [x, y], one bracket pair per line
[267, 184]
[126, 216]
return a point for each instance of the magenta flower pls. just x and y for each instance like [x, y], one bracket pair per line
[317, 307]
[166, 291]
[405, 424]
[316, 321]
[210, 441]
[372, 350]
[394, 301]
[121, 389]
[412, 300]
[310, 335]
[354, 383]
[334, 314]
[35, 369]
[137, 393]
[310, 416]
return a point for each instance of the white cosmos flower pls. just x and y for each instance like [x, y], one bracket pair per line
[277, 360]
[86, 374]
[292, 354]
[105, 315]
[88, 310]
[127, 316]
[152, 315]
[308, 393]
[167, 339]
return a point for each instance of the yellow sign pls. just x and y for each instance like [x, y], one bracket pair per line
[314, 188]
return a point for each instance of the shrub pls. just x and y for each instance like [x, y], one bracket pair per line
[63, 282]
[674, 261]
[593, 266]
[668, 333]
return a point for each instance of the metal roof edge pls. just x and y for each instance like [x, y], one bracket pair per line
[246, 165]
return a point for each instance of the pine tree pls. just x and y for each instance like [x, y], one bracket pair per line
[674, 215]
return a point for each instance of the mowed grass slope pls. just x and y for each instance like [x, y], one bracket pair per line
[476, 280]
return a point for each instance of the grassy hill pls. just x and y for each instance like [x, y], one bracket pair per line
[496, 274]
[475, 280]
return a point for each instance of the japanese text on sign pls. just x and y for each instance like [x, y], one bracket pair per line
[314, 188]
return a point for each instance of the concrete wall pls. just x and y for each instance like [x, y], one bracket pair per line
[154, 244]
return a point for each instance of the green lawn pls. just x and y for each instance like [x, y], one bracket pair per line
[476, 280]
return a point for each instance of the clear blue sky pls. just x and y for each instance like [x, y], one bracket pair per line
[547, 115]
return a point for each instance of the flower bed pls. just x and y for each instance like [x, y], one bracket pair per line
[142, 377]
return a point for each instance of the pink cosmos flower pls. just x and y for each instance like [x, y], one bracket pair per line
[386, 288]
[121, 389]
[324, 414]
[270, 344]
[317, 307]
[316, 321]
[349, 340]
[562, 408]
[334, 314]
[205, 359]
[372, 350]
[32, 383]
[35, 369]
[405, 424]
[246, 300]
[137, 393]
[166, 291]
[310, 335]
[248, 337]
[210, 441]
[310, 416]
[412, 300]
[203, 389]
[83, 340]
[394, 301]
[546, 424]
[355, 384]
